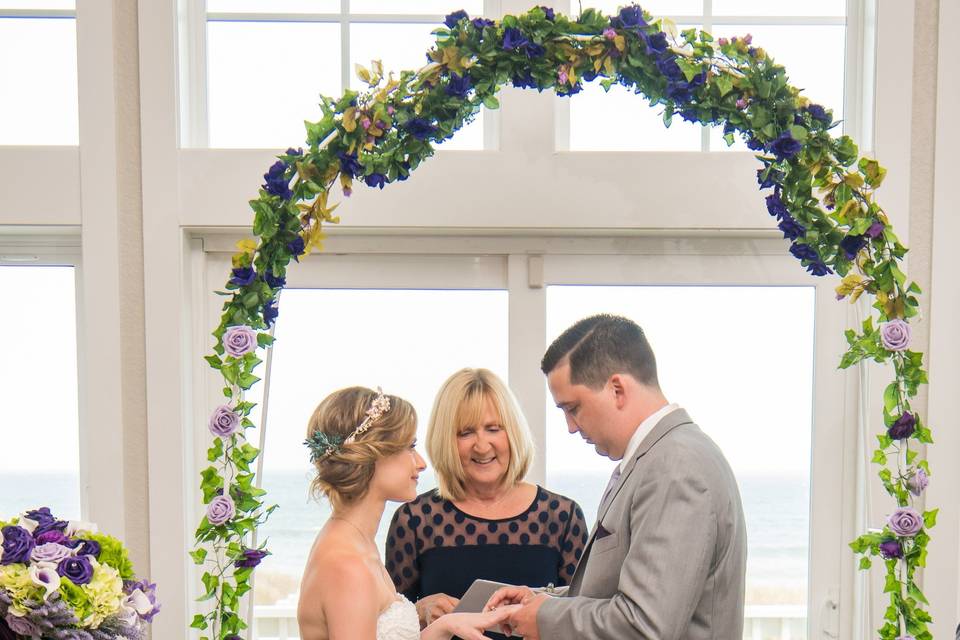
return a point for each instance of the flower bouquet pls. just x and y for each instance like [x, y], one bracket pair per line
[63, 580]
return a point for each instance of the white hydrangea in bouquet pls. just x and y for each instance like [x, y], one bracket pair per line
[63, 580]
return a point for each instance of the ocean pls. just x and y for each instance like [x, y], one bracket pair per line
[776, 509]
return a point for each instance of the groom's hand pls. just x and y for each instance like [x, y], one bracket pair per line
[508, 595]
[523, 621]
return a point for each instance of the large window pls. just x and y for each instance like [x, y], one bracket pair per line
[621, 121]
[39, 105]
[267, 63]
[39, 456]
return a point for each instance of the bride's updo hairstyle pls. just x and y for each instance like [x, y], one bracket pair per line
[345, 469]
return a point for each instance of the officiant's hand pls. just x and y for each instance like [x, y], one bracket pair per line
[432, 607]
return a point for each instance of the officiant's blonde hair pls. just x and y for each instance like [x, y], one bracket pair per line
[460, 403]
[344, 476]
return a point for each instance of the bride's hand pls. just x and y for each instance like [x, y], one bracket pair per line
[470, 626]
[434, 606]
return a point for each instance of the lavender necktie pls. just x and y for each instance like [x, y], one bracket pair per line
[608, 493]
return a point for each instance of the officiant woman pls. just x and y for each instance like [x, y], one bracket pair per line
[483, 520]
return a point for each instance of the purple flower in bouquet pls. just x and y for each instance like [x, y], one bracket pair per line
[420, 128]
[296, 247]
[349, 164]
[270, 312]
[375, 180]
[275, 282]
[817, 112]
[452, 19]
[251, 558]
[459, 85]
[17, 545]
[224, 422]
[792, 230]
[875, 229]
[220, 510]
[891, 549]
[86, 548]
[243, 276]
[630, 17]
[918, 482]
[77, 569]
[903, 427]
[50, 535]
[41, 516]
[239, 340]
[513, 39]
[905, 521]
[480, 23]
[275, 181]
[551, 16]
[851, 245]
[895, 335]
[142, 597]
[50, 552]
[785, 147]
[22, 626]
[775, 206]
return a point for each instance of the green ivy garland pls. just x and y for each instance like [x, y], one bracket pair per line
[822, 197]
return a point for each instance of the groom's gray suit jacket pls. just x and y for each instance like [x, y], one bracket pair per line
[667, 557]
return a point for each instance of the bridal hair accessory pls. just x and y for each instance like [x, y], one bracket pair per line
[323, 445]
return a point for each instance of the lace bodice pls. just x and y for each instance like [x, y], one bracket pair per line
[399, 621]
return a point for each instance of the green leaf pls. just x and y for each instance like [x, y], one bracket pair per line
[491, 102]
[199, 555]
[930, 518]
[213, 361]
[264, 339]
[199, 622]
[865, 563]
[879, 457]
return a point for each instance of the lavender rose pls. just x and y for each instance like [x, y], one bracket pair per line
[239, 340]
[251, 558]
[904, 426]
[224, 421]
[891, 549]
[49, 552]
[220, 510]
[905, 521]
[17, 545]
[22, 626]
[918, 482]
[77, 570]
[142, 597]
[895, 335]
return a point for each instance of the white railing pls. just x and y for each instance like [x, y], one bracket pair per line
[761, 622]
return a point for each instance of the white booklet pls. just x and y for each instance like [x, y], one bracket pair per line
[477, 597]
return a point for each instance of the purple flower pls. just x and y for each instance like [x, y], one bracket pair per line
[274, 282]
[755, 144]
[851, 246]
[630, 17]
[895, 335]
[904, 426]
[785, 146]
[17, 545]
[220, 510]
[420, 128]
[792, 230]
[294, 152]
[349, 164]
[239, 340]
[454, 18]
[375, 180]
[534, 50]
[76, 569]
[276, 183]
[297, 247]
[480, 23]
[875, 229]
[776, 207]
[513, 39]
[21, 626]
[803, 251]
[656, 42]
[41, 516]
[50, 535]
[459, 86]
[551, 16]
[251, 558]
[818, 268]
[525, 81]
[819, 113]
[224, 422]
[270, 312]
[905, 521]
[243, 276]
[891, 549]
[918, 482]
[609, 33]
[87, 548]
[49, 552]
[769, 177]
[143, 598]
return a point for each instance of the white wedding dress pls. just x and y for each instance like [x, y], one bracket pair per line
[399, 621]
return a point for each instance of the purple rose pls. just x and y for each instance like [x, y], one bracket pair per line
[875, 229]
[251, 558]
[891, 549]
[50, 535]
[239, 340]
[220, 510]
[224, 422]
[49, 552]
[895, 335]
[243, 276]
[87, 548]
[41, 516]
[22, 626]
[918, 482]
[785, 147]
[452, 19]
[905, 521]
[77, 569]
[904, 427]
[17, 545]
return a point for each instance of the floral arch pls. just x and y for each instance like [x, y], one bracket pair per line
[819, 191]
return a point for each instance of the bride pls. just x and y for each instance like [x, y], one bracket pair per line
[362, 445]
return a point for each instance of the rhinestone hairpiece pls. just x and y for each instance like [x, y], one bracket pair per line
[323, 445]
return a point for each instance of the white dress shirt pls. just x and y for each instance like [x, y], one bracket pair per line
[643, 430]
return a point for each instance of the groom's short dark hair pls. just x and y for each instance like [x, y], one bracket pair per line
[600, 346]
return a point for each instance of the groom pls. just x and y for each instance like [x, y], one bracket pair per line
[667, 556]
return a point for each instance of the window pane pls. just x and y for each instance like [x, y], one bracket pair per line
[757, 407]
[779, 8]
[624, 121]
[273, 6]
[402, 47]
[408, 342]
[655, 7]
[422, 7]
[40, 89]
[818, 71]
[38, 378]
[258, 96]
